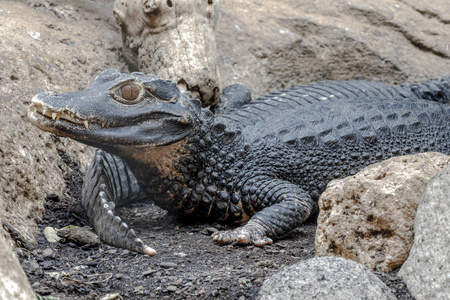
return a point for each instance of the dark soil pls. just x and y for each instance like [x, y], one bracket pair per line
[188, 265]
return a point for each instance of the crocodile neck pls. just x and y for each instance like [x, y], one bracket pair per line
[176, 175]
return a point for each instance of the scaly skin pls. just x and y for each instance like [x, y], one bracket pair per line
[262, 163]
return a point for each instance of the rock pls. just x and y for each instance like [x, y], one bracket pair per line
[303, 41]
[51, 235]
[173, 40]
[369, 217]
[325, 278]
[28, 164]
[427, 269]
[168, 265]
[81, 236]
[14, 283]
[148, 272]
[47, 252]
[172, 288]
[300, 41]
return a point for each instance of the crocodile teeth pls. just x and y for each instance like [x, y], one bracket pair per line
[54, 116]
[86, 124]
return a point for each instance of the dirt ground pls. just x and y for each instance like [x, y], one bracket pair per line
[188, 265]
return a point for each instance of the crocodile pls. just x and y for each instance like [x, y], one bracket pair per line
[262, 163]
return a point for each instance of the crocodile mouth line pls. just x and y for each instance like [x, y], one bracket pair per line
[38, 108]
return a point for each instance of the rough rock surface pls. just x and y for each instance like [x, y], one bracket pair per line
[174, 40]
[300, 41]
[269, 45]
[427, 269]
[369, 217]
[43, 47]
[14, 283]
[325, 278]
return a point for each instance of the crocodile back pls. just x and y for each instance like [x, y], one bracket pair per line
[403, 125]
[345, 114]
[315, 143]
[276, 103]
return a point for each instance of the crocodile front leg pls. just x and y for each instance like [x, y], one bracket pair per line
[285, 207]
[109, 183]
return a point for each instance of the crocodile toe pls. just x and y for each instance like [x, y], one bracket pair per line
[245, 235]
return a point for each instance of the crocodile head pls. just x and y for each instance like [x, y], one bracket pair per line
[119, 110]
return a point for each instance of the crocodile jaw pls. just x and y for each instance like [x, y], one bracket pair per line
[42, 115]
[99, 133]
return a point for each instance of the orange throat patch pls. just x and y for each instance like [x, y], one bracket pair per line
[163, 159]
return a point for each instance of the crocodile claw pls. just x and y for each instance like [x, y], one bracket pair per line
[245, 235]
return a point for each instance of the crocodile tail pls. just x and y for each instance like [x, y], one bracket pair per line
[434, 89]
[108, 183]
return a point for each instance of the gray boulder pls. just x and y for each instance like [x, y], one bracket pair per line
[14, 283]
[325, 278]
[268, 45]
[427, 269]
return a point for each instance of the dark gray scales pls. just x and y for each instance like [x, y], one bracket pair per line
[263, 163]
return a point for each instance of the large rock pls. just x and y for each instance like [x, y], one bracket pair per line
[174, 40]
[49, 47]
[14, 284]
[269, 45]
[369, 217]
[427, 269]
[331, 278]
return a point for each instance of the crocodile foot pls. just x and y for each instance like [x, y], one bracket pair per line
[248, 234]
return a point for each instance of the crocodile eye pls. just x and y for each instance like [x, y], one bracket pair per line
[130, 92]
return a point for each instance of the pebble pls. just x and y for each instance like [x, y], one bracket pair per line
[148, 272]
[46, 264]
[211, 230]
[47, 252]
[119, 276]
[31, 265]
[172, 288]
[168, 265]
[180, 254]
[177, 282]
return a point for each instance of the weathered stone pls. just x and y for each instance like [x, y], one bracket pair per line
[80, 236]
[174, 40]
[268, 45]
[14, 283]
[30, 63]
[427, 269]
[325, 278]
[369, 217]
[300, 41]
